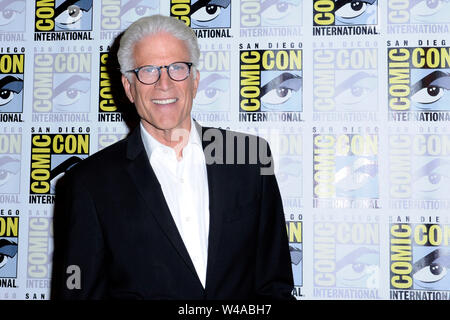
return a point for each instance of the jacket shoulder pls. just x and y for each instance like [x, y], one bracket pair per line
[106, 160]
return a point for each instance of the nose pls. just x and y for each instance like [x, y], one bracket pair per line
[164, 81]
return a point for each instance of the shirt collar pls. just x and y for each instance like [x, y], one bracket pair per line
[151, 144]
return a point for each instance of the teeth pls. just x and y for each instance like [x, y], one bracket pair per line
[164, 101]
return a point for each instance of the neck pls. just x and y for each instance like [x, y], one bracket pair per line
[175, 138]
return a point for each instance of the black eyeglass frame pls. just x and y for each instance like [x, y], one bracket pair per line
[136, 71]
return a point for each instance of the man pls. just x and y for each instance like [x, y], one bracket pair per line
[174, 211]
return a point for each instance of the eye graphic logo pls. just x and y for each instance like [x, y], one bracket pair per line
[430, 89]
[202, 14]
[73, 15]
[357, 91]
[12, 15]
[213, 92]
[358, 267]
[345, 12]
[431, 178]
[271, 13]
[118, 15]
[281, 91]
[134, 9]
[11, 93]
[356, 177]
[276, 13]
[71, 93]
[430, 268]
[210, 14]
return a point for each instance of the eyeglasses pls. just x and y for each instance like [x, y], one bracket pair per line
[177, 71]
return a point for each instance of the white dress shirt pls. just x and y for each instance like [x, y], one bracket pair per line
[185, 187]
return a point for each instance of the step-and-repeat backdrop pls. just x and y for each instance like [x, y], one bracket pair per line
[352, 95]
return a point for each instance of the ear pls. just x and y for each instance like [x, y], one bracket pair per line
[127, 87]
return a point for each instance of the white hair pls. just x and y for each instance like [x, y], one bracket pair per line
[152, 25]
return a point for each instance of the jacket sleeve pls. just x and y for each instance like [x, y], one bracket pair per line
[79, 253]
[274, 278]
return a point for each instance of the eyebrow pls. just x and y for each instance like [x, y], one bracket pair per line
[5, 3]
[11, 83]
[8, 248]
[202, 3]
[68, 82]
[429, 79]
[340, 3]
[275, 82]
[82, 4]
[7, 159]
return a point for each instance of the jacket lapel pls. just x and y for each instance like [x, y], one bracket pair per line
[143, 176]
[216, 180]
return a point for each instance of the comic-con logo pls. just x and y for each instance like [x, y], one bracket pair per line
[62, 86]
[419, 83]
[12, 17]
[11, 87]
[418, 170]
[346, 256]
[9, 235]
[51, 156]
[271, 83]
[419, 255]
[345, 17]
[10, 164]
[418, 12]
[53, 18]
[345, 170]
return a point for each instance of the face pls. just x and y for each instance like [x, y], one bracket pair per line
[166, 104]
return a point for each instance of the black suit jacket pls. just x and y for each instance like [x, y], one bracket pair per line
[112, 221]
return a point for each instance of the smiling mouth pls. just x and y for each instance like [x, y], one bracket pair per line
[164, 101]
